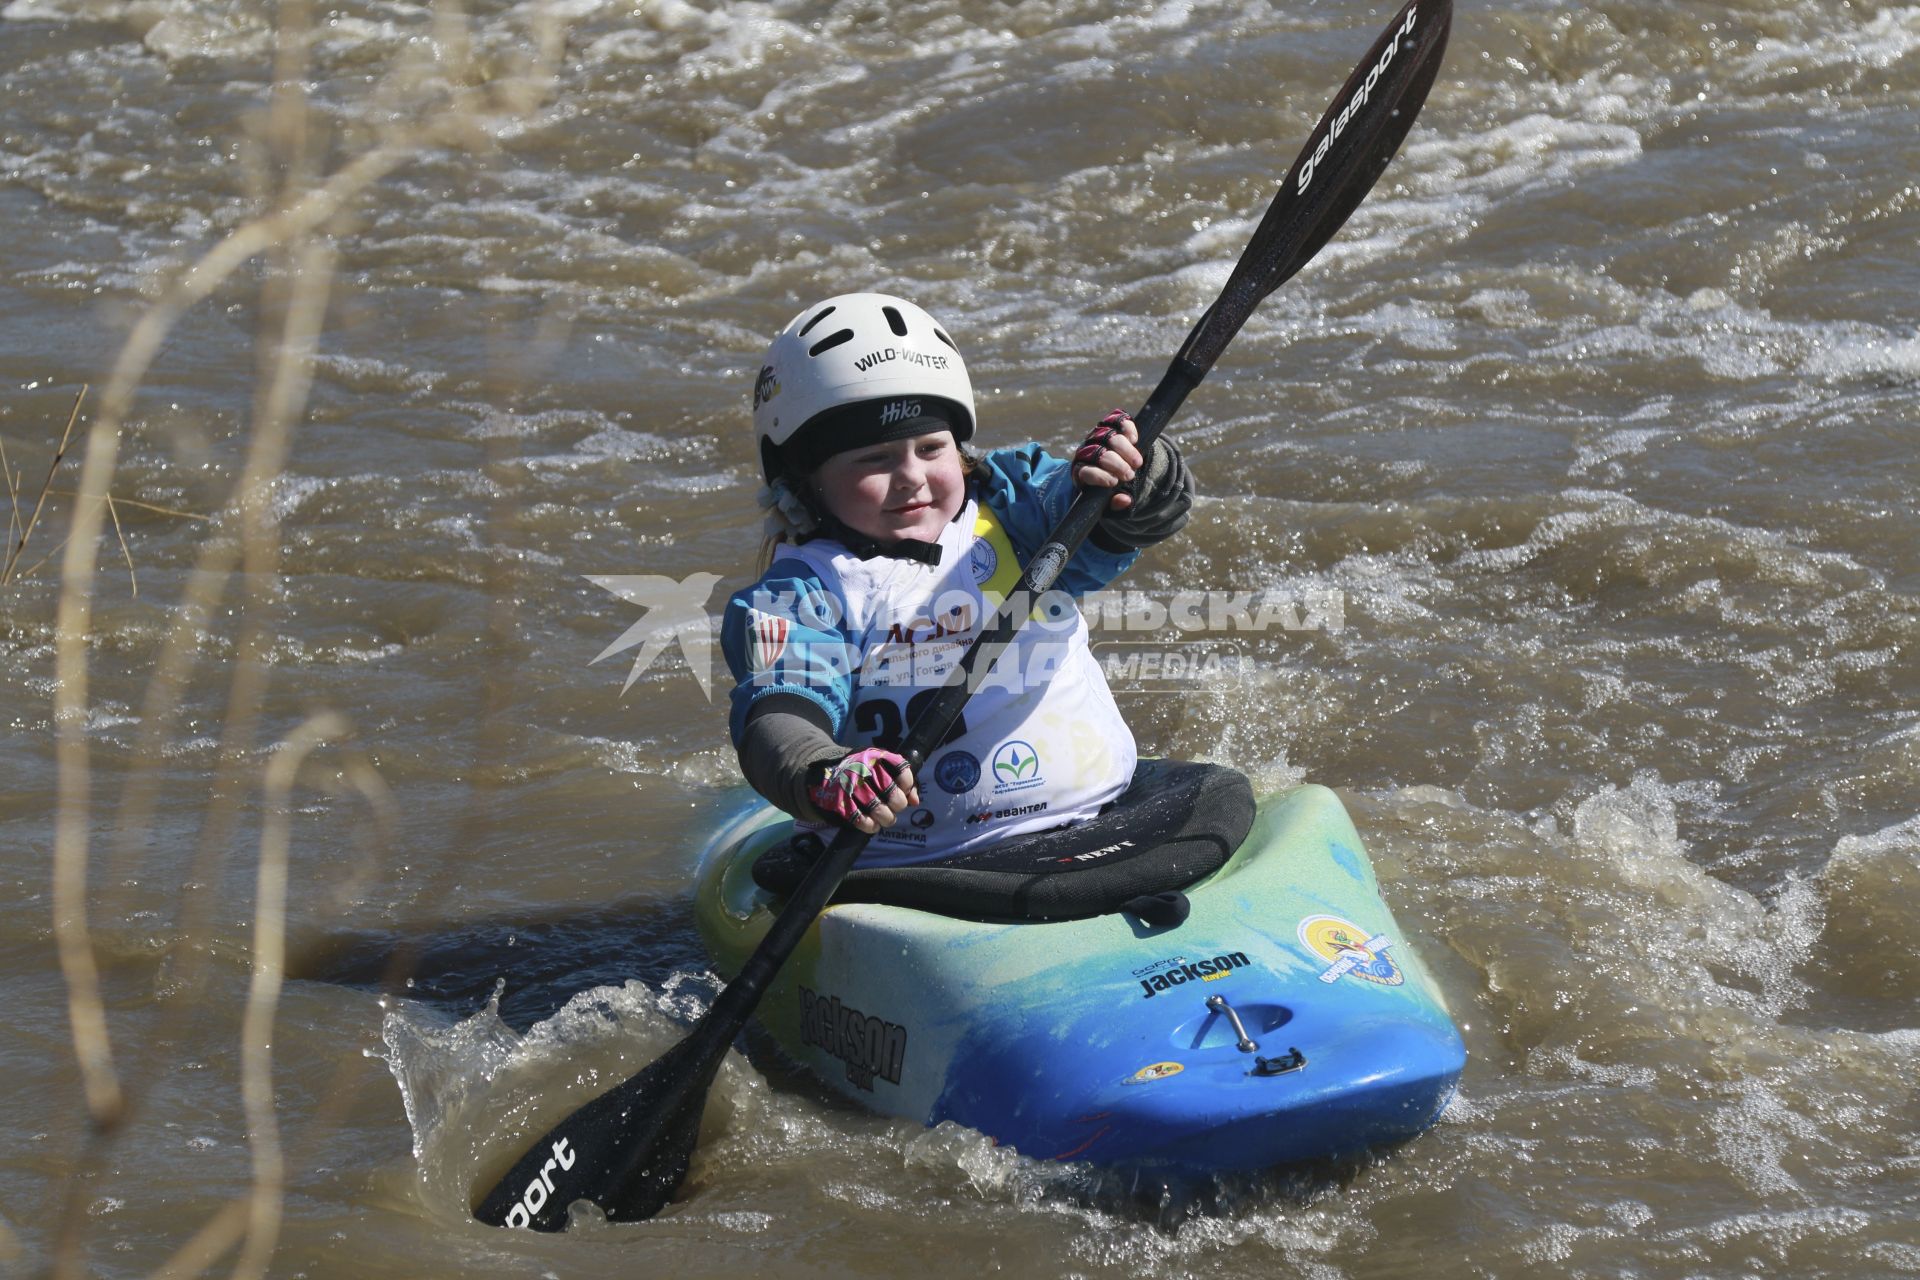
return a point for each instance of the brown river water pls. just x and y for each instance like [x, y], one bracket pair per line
[1591, 440]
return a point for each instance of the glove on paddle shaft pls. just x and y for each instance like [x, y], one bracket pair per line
[1098, 439]
[852, 787]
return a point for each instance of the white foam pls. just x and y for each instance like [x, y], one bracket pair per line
[1855, 355]
[187, 32]
[1444, 185]
[1886, 38]
[291, 492]
[79, 10]
[1503, 308]
[1901, 838]
[365, 373]
[1615, 444]
[1551, 532]
[610, 441]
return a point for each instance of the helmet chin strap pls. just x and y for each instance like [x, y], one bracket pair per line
[860, 544]
[827, 525]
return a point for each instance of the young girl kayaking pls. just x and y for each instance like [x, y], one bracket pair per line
[892, 543]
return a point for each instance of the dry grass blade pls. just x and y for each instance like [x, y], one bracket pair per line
[14, 551]
[301, 217]
[138, 505]
[133, 580]
[72, 938]
[288, 367]
[263, 993]
[13, 497]
[220, 1233]
[113, 503]
[448, 102]
[241, 1219]
[45, 560]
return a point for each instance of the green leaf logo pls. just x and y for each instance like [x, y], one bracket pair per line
[1013, 766]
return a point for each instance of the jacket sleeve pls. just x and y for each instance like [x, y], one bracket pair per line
[785, 749]
[785, 643]
[1029, 489]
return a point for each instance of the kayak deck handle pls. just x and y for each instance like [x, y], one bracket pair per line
[1290, 1061]
[1219, 1005]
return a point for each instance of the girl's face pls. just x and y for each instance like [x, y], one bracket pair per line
[901, 489]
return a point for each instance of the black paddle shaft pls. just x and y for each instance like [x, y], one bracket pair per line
[628, 1150]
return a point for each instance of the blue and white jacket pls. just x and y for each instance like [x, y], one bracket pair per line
[855, 648]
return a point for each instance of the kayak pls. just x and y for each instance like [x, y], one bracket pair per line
[1194, 980]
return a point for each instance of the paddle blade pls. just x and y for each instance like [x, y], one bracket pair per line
[1344, 157]
[626, 1151]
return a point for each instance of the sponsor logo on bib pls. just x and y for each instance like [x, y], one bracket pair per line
[996, 815]
[957, 772]
[1016, 766]
[982, 559]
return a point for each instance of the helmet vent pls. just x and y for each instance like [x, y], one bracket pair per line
[816, 320]
[942, 335]
[894, 322]
[831, 341]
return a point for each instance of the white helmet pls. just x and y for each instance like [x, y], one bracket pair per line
[856, 370]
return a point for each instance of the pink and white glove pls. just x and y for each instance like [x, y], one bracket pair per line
[1110, 458]
[855, 791]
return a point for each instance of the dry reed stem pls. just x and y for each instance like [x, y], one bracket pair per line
[226, 1228]
[307, 206]
[263, 993]
[302, 217]
[75, 617]
[233, 1221]
[14, 551]
[133, 580]
[217, 557]
[140, 506]
[288, 371]
[516, 96]
[112, 502]
[13, 496]
[360, 772]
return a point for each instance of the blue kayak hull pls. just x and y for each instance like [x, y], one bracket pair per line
[1099, 1039]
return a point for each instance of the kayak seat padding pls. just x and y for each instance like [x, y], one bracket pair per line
[1176, 823]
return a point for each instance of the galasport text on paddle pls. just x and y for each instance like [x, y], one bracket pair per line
[628, 1150]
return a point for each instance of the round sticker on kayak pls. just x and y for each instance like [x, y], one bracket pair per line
[1350, 950]
[1155, 1071]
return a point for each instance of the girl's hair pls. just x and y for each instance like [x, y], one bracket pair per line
[771, 543]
